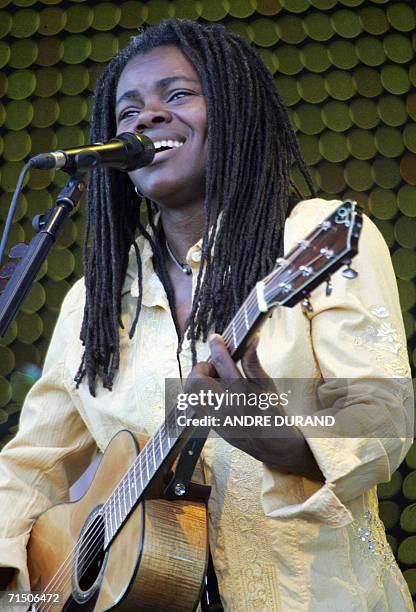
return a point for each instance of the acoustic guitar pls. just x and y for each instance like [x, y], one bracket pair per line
[119, 546]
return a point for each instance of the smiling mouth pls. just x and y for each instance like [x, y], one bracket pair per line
[166, 145]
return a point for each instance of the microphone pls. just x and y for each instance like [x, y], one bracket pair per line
[125, 152]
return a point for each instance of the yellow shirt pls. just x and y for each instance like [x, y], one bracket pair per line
[279, 541]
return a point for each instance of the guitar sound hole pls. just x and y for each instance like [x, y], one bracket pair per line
[90, 558]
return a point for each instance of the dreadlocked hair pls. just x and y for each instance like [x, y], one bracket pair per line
[251, 147]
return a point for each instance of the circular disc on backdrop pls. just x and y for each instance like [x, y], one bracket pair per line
[133, 13]
[25, 23]
[339, 84]
[294, 6]
[392, 110]
[19, 114]
[308, 119]
[314, 57]
[361, 144]
[21, 84]
[342, 54]
[288, 89]
[401, 16]
[50, 51]
[46, 112]
[330, 177]
[103, 47]
[23, 53]
[405, 232]
[336, 116]
[370, 51]
[52, 21]
[75, 79]
[346, 23]
[389, 141]
[106, 16]
[290, 29]
[17, 145]
[406, 199]
[373, 20]
[78, 19]
[386, 172]
[77, 49]
[288, 59]
[364, 113]
[333, 146]
[312, 88]
[382, 203]
[395, 79]
[318, 26]
[189, 9]
[358, 174]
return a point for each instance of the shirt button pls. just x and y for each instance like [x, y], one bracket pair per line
[196, 256]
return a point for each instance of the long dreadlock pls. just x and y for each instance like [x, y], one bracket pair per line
[251, 146]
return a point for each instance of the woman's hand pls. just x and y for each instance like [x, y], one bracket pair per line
[282, 447]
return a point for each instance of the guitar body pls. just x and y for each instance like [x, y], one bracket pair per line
[157, 561]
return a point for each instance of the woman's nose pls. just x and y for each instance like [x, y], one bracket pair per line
[149, 117]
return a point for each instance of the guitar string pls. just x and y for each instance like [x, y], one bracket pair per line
[121, 486]
[252, 298]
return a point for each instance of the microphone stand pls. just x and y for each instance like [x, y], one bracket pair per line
[48, 226]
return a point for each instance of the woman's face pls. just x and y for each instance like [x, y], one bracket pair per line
[159, 94]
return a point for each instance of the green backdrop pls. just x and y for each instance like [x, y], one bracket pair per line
[346, 70]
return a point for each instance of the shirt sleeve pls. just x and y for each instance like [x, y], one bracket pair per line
[360, 347]
[49, 452]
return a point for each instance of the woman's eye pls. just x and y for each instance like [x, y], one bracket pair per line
[128, 113]
[133, 112]
[178, 95]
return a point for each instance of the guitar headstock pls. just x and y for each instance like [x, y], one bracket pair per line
[329, 246]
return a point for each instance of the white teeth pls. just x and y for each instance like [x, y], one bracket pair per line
[167, 143]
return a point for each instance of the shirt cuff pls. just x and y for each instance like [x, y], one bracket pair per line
[347, 476]
[320, 504]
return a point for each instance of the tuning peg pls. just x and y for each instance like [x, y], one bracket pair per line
[329, 286]
[306, 305]
[348, 272]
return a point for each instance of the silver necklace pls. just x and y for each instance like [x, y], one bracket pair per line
[184, 267]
